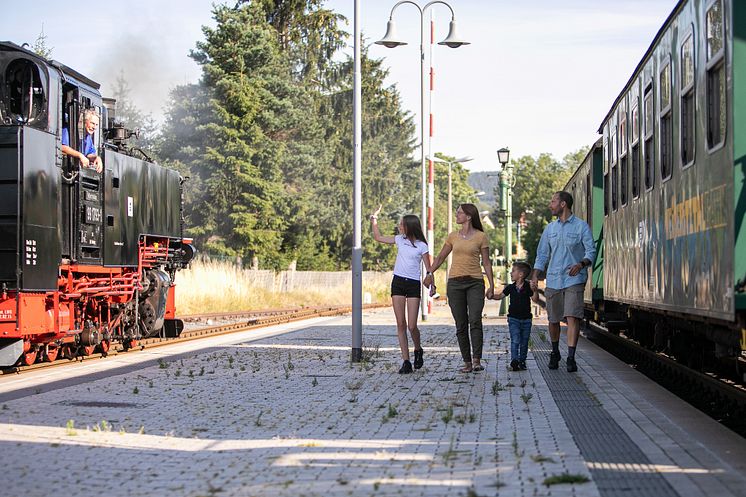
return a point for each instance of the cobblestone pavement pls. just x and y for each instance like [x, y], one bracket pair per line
[289, 415]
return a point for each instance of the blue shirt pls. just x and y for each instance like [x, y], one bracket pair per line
[88, 147]
[562, 245]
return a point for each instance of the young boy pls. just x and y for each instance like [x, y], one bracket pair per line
[519, 313]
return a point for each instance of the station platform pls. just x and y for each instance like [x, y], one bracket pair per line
[283, 412]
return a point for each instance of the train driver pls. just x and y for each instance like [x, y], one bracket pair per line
[89, 157]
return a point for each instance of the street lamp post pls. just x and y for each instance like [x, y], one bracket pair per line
[450, 201]
[391, 40]
[506, 207]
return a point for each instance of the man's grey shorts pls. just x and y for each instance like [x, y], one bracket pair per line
[564, 302]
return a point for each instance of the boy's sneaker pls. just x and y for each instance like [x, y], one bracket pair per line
[405, 368]
[515, 365]
[418, 361]
[571, 365]
[554, 359]
[522, 365]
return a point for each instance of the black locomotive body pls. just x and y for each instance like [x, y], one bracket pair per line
[86, 258]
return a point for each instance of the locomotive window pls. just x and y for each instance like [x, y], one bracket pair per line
[666, 138]
[716, 110]
[687, 102]
[25, 92]
[649, 139]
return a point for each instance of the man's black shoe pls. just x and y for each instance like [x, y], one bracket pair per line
[418, 361]
[515, 365]
[571, 365]
[406, 368]
[522, 365]
[554, 359]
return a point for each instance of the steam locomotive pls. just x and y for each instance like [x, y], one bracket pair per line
[664, 191]
[87, 259]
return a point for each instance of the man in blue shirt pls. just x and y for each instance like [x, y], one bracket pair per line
[565, 251]
[89, 157]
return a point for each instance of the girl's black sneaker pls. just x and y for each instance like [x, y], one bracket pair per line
[406, 368]
[418, 361]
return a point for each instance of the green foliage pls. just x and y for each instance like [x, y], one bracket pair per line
[536, 180]
[40, 45]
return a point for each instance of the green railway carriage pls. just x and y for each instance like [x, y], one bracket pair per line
[586, 188]
[665, 192]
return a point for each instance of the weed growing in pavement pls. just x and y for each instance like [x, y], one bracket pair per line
[291, 366]
[258, 420]
[162, 364]
[354, 385]
[230, 362]
[141, 431]
[565, 478]
[466, 416]
[516, 452]
[531, 343]
[538, 458]
[202, 371]
[135, 390]
[314, 382]
[177, 373]
[510, 384]
[392, 411]
[497, 387]
[542, 336]
[102, 426]
[526, 397]
[70, 428]
[523, 384]
[448, 415]
[150, 383]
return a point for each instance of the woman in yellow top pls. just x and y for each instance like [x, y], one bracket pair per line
[466, 291]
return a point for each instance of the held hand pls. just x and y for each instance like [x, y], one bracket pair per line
[490, 293]
[575, 269]
[533, 284]
[428, 281]
[432, 290]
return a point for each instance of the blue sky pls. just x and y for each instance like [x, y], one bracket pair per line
[538, 77]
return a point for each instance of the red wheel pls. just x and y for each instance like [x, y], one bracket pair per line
[130, 344]
[51, 353]
[88, 349]
[68, 352]
[105, 346]
[28, 358]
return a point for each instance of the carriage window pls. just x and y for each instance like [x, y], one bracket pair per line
[649, 139]
[687, 101]
[635, 116]
[606, 194]
[716, 114]
[666, 127]
[25, 93]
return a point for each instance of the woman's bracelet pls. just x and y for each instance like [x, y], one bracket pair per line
[373, 217]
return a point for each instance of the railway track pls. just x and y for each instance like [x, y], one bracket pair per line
[721, 398]
[239, 321]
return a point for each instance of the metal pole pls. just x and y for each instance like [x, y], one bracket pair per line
[423, 292]
[431, 168]
[357, 249]
[450, 217]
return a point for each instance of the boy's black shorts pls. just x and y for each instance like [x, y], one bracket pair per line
[405, 287]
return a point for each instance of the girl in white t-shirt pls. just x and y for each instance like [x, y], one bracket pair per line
[405, 286]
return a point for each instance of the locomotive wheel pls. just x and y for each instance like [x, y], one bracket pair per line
[68, 352]
[129, 344]
[28, 358]
[51, 352]
[87, 350]
[105, 345]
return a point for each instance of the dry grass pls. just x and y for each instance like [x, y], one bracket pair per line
[210, 286]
